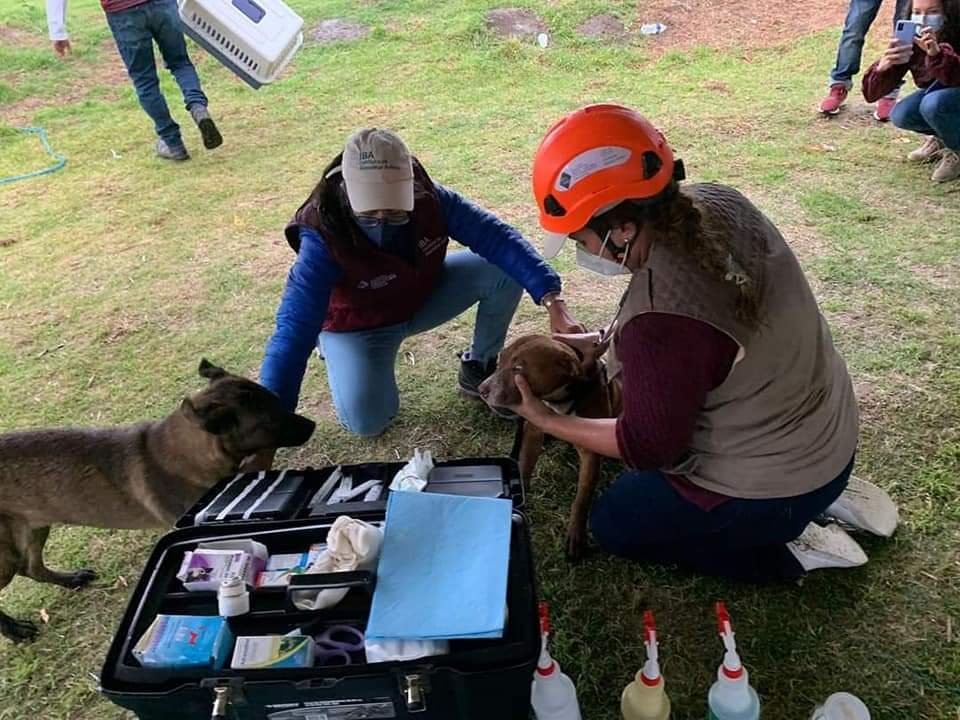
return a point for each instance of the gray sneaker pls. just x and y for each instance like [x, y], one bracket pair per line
[949, 167]
[208, 129]
[928, 152]
[177, 153]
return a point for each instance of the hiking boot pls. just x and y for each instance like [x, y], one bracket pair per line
[929, 151]
[826, 547]
[949, 167]
[832, 103]
[884, 107]
[178, 153]
[208, 129]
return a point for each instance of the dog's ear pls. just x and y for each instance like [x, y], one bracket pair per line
[210, 371]
[215, 418]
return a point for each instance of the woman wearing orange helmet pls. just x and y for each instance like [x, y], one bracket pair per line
[739, 421]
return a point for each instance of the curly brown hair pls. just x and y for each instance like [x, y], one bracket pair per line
[676, 220]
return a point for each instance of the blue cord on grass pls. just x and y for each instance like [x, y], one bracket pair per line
[59, 160]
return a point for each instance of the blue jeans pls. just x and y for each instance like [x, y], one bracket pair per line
[860, 17]
[360, 365]
[135, 30]
[642, 517]
[933, 111]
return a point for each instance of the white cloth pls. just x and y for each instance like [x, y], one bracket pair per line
[351, 545]
[57, 19]
[391, 650]
[414, 475]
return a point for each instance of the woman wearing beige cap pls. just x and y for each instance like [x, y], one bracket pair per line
[372, 269]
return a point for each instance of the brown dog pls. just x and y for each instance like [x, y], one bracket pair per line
[138, 476]
[557, 376]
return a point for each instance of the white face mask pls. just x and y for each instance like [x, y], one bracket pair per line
[601, 265]
[932, 21]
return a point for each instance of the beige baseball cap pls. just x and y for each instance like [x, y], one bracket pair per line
[377, 171]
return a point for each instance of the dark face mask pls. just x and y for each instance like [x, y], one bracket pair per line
[386, 236]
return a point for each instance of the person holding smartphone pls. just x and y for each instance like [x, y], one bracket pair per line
[860, 16]
[926, 49]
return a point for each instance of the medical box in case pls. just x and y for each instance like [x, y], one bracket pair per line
[475, 680]
[253, 38]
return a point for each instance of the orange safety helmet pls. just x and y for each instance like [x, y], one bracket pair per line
[594, 158]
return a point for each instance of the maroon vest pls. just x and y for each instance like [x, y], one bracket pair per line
[378, 288]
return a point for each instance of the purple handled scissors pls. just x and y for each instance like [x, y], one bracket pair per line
[334, 645]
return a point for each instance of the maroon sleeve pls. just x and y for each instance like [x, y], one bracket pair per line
[877, 83]
[670, 363]
[945, 67]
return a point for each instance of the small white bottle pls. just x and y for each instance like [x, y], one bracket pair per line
[731, 697]
[553, 694]
[233, 597]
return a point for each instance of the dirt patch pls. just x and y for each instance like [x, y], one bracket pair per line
[108, 70]
[18, 38]
[722, 24]
[7, 242]
[605, 27]
[716, 86]
[339, 30]
[515, 23]
[944, 277]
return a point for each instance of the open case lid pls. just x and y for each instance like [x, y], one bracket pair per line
[286, 495]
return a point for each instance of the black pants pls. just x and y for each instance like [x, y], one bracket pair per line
[643, 517]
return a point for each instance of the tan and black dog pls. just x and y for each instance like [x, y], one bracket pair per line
[557, 376]
[138, 476]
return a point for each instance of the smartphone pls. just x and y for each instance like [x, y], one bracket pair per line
[906, 31]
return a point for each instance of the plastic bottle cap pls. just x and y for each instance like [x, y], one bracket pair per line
[650, 682]
[547, 671]
[732, 673]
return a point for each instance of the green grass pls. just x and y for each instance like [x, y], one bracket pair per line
[120, 272]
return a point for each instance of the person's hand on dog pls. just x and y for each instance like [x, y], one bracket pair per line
[896, 54]
[928, 42]
[590, 346]
[561, 321]
[531, 408]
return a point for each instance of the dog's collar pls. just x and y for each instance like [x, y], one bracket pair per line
[561, 400]
[564, 399]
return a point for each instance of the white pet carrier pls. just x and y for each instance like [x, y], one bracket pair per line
[254, 38]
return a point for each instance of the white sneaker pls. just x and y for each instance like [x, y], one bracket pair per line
[865, 506]
[826, 547]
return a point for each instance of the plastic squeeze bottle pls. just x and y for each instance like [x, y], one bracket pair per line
[731, 697]
[553, 695]
[645, 698]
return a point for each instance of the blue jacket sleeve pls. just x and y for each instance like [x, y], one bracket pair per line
[493, 240]
[299, 318]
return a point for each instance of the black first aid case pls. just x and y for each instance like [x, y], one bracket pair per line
[288, 512]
